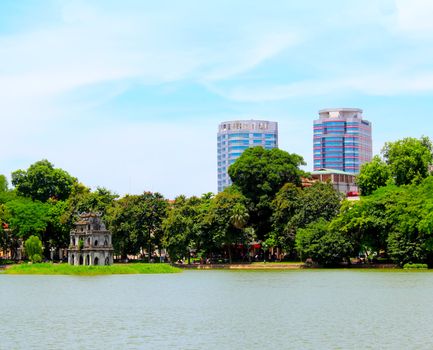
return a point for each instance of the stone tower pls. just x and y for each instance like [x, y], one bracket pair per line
[90, 242]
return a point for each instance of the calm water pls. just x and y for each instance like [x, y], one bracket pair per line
[335, 309]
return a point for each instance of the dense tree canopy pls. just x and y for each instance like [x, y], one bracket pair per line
[259, 174]
[266, 205]
[26, 217]
[394, 221]
[120, 218]
[3, 183]
[373, 175]
[136, 222]
[322, 245]
[41, 181]
[185, 228]
[294, 207]
[227, 217]
[408, 159]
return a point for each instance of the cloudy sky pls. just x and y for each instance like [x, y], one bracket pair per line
[128, 94]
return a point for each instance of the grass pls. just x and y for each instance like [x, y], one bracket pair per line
[278, 262]
[66, 269]
[415, 266]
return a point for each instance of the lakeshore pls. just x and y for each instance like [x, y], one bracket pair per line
[278, 266]
[66, 269]
[156, 268]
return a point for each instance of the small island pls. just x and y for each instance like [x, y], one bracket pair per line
[66, 269]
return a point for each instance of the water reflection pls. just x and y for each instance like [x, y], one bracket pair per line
[324, 309]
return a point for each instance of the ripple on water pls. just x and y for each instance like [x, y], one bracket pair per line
[320, 309]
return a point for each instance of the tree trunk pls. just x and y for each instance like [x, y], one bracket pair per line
[149, 248]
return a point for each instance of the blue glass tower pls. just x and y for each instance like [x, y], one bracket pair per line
[342, 140]
[234, 137]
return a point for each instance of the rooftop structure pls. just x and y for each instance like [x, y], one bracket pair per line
[342, 181]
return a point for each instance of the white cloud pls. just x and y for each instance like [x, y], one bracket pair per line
[92, 46]
[414, 17]
[107, 49]
[237, 61]
[42, 73]
[388, 83]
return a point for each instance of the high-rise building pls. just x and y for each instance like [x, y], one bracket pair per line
[342, 140]
[236, 136]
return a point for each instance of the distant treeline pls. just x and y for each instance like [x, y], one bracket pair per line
[266, 207]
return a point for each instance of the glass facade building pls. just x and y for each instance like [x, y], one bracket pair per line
[236, 136]
[342, 140]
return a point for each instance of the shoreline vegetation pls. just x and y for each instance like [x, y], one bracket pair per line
[66, 269]
[278, 266]
[163, 268]
[273, 211]
[286, 266]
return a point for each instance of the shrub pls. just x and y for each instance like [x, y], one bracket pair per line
[33, 248]
[409, 266]
[36, 258]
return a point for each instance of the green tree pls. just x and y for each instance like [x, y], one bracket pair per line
[367, 222]
[3, 184]
[259, 174]
[25, 218]
[82, 199]
[42, 181]
[227, 218]
[322, 245]
[285, 208]
[320, 200]
[121, 222]
[58, 228]
[410, 238]
[5, 241]
[136, 223]
[408, 159]
[240, 216]
[33, 248]
[184, 226]
[395, 221]
[373, 175]
[6, 194]
[150, 212]
[96, 201]
[294, 208]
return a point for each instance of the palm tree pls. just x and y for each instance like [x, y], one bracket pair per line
[240, 216]
[238, 219]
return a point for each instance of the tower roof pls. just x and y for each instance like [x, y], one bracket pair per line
[327, 110]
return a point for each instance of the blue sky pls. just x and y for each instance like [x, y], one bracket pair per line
[128, 94]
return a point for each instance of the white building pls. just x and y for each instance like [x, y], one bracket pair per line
[236, 136]
[90, 242]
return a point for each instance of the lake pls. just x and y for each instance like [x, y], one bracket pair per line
[296, 309]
